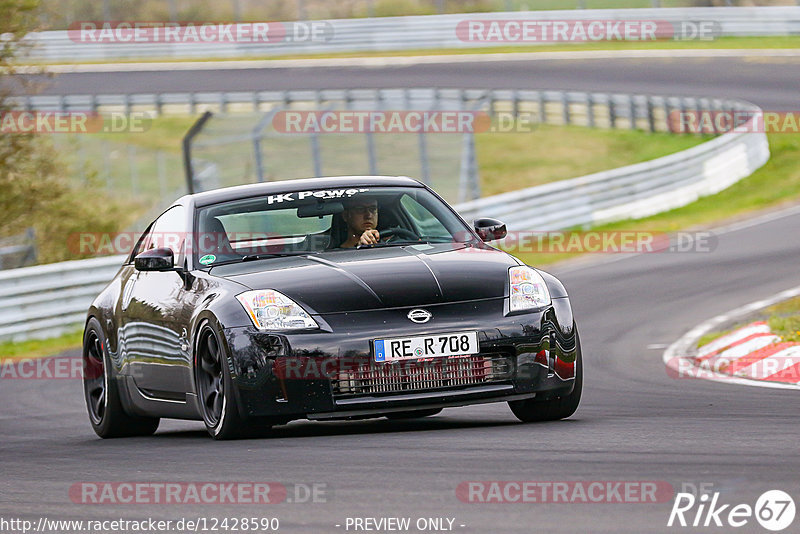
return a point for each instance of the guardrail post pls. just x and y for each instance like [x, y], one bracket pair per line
[651, 118]
[372, 159]
[515, 103]
[590, 122]
[682, 103]
[468, 180]
[565, 108]
[612, 113]
[424, 165]
[667, 115]
[318, 99]
[716, 106]
[187, 149]
[632, 110]
[542, 107]
[315, 153]
[257, 135]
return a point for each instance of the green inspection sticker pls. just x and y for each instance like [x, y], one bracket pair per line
[208, 258]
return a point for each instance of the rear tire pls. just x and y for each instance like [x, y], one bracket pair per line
[416, 414]
[106, 414]
[216, 393]
[533, 410]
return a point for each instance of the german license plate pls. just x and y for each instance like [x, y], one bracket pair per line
[432, 346]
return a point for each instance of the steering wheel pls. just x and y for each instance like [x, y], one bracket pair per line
[391, 233]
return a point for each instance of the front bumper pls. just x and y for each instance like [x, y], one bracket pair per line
[330, 373]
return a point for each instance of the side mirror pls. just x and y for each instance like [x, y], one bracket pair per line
[155, 259]
[490, 229]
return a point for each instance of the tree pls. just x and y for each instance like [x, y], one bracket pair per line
[34, 189]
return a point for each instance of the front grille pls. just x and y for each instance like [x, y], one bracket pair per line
[369, 378]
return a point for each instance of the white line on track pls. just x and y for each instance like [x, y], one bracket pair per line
[678, 351]
[391, 61]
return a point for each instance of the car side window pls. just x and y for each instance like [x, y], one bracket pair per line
[141, 245]
[169, 231]
[424, 219]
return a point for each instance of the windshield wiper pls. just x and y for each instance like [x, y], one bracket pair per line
[251, 257]
[389, 244]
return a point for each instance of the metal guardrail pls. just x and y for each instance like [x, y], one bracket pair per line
[47, 300]
[632, 192]
[414, 32]
[553, 107]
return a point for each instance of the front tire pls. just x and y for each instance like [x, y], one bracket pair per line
[533, 410]
[216, 391]
[106, 414]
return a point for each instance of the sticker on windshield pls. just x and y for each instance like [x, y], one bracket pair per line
[324, 194]
[208, 259]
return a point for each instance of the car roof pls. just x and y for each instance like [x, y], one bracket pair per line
[285, 186]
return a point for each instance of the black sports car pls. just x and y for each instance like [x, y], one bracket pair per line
[329, 298]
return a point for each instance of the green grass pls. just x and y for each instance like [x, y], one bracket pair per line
[130, 163]
[162, 133]
[705, 339]
[41, 348]
[784, 319]
[727, 43]
[509, 162]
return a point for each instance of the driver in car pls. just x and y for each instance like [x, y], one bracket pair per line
[361, 217]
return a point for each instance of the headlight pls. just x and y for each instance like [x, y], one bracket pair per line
[271, 310]
[526, 289]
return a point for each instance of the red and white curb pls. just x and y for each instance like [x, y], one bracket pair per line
[751, 355]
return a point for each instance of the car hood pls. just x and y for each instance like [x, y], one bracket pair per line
[390, 277]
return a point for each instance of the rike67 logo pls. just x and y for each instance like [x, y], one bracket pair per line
[774, 510]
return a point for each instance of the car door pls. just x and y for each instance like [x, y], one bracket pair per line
[157, 312]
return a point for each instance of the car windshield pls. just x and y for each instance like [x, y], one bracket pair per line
[321, 220]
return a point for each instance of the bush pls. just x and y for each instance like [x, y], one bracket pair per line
[33, 190]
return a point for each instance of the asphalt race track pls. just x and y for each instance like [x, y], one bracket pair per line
[635, 423]
[771, 82]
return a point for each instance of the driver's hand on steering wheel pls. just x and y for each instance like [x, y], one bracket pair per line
[370, 237]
